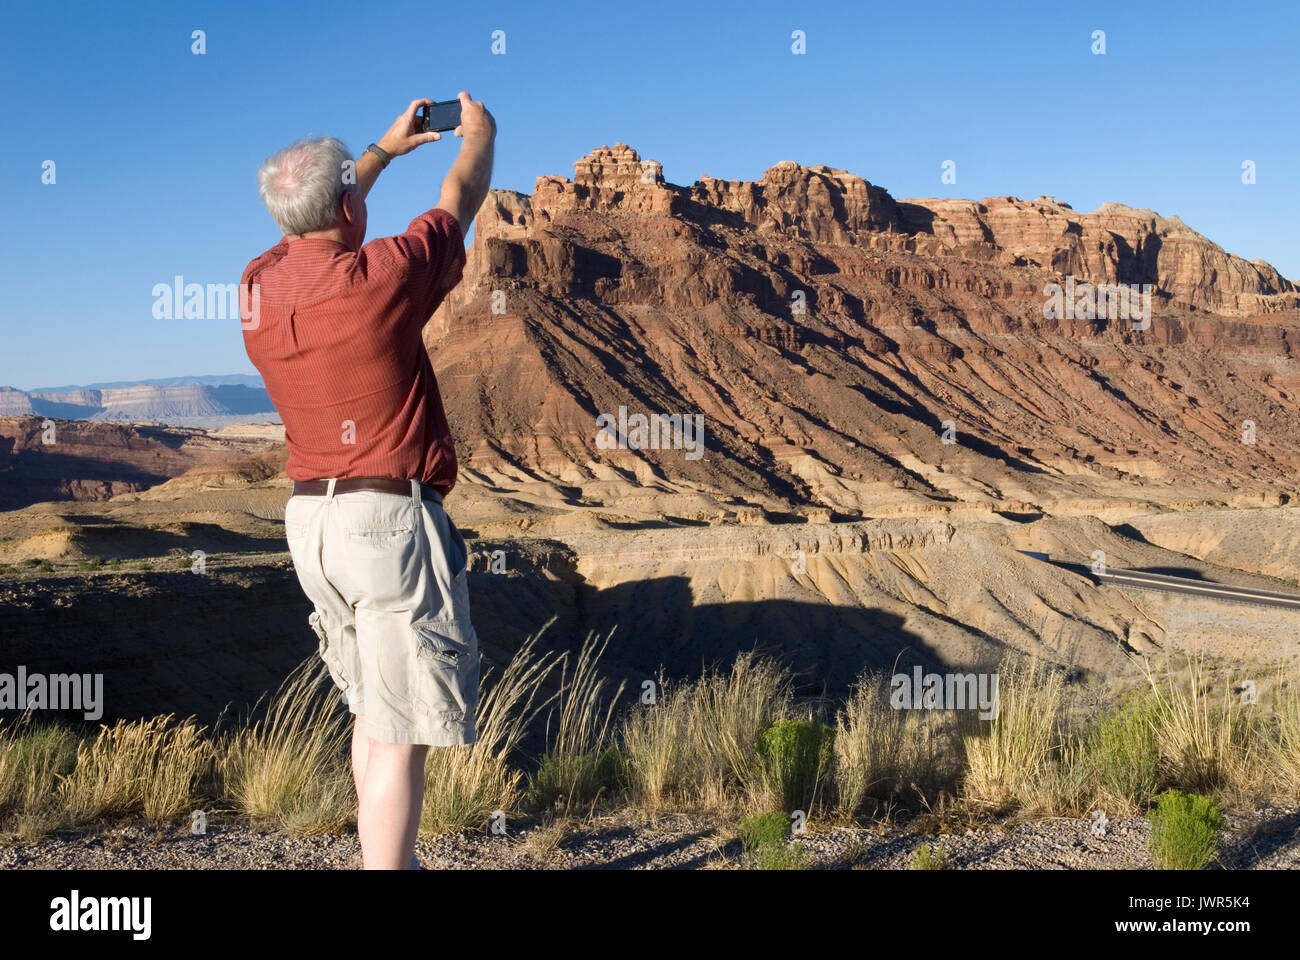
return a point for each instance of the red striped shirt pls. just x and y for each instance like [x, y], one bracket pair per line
[337, 342]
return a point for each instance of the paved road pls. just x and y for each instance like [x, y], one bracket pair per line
[1186, 585]
[1199, 588]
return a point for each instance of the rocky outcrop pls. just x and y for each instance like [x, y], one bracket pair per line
[839, 343]
[808, 203]
[1113, 244]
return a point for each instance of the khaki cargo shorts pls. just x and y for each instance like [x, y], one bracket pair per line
[387, 576]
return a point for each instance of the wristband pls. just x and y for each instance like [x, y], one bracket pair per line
[384, 158]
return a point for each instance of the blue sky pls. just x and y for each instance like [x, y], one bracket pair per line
[156, 148]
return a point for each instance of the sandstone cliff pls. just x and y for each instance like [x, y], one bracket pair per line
[833, 338]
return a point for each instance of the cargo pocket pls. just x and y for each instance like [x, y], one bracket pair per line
[326, 649]
[447, 651]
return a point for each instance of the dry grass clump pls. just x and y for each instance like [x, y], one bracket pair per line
[33, 759]
[147, 767]
[1008, 757]
[882, 753]
[582, 762]
[290, 766]
[697, 744]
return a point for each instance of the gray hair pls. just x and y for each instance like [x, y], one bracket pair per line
[303, 184]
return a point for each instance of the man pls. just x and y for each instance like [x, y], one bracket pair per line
[337, 339]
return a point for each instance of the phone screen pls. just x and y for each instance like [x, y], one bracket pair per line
[441, 116]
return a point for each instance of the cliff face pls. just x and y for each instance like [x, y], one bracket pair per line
[14, 403]
[1113, 244]
[833, 337]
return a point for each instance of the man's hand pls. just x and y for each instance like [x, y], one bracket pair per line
[475, 121]
[404, 135]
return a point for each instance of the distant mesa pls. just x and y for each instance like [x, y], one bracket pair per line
[179, 400]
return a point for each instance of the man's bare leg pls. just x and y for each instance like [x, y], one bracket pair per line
[359, 744]
[389, 800]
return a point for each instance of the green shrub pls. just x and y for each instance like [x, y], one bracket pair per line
[1125, 752]
[797, 758]
[765, 829]
[33, 759]
[930, 857]
[1185, 829]
[581, 779]
[764, 842]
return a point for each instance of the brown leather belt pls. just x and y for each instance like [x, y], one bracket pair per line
[319, 488]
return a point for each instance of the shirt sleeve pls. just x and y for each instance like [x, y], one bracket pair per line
[430, 255]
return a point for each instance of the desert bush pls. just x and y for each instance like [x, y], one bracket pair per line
[765, 844]
[654, 745]
[929, 857]
[33, 760]
[698, 745]
[564, 782]
[1185, 830]
[1124, 752]
[881, 752]
[1206, 743]
[1283, 747]
[797, 757]
[1066, 785]
[728, 713]
[870, 748]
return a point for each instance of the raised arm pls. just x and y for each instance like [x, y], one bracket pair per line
[402, 137]
[469, 178]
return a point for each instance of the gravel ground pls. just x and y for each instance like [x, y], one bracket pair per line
[1267, 839]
